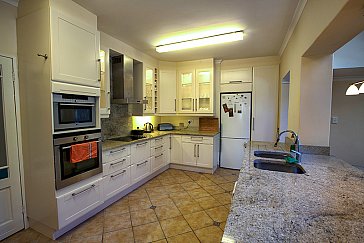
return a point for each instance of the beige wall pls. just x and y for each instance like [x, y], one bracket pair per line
[8, 15]
[315, 18]
[346, 140]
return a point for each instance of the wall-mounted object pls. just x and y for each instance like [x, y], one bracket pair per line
[353, 89]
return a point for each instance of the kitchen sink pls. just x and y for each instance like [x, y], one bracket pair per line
[272, 154]
[274, 165]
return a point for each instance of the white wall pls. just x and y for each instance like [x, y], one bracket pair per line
[346, 137]
[8, 15]
[351, 54]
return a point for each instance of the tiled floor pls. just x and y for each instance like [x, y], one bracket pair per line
[176, 206]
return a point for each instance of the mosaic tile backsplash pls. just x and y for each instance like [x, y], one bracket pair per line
[118, 124]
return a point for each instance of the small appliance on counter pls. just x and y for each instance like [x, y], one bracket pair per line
[165, 127]
[148, 127]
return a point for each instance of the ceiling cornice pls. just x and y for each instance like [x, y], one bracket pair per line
[297, 14]
[12, 2]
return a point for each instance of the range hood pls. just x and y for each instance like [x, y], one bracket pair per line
[127, 81]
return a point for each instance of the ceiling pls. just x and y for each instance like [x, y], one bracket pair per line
[143, 24]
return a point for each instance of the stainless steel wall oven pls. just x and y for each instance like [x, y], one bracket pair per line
[69, 170]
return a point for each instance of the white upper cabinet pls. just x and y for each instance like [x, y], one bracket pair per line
[265, 103]
[104, 84]
[204, 90]
[75, 50]
[235, 76]
[167, 91]
[149, 91]
[186, 91]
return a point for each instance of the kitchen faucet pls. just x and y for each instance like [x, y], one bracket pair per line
[296, 151]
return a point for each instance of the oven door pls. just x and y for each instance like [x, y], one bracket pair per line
[68, 173]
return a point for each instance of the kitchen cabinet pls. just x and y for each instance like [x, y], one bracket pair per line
[140, 151]
[204, 155]
[140, 170]
[198, 151]
[74, 49]
[148, 91]
[167, 91]
[189, 154]
[159, 152]
[236, 76]
[105, 83]
[116, 182]
[176, 149]
[158, 161]
[195, 91]
[265, 103]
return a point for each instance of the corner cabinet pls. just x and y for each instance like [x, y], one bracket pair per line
[195, 91]
[75, 50]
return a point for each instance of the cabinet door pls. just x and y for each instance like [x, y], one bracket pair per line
[186, 91]
[265, 103]
[116, 182]
[149, 90]
[205, 155]
[176, 149]
[75, 51]
[236, 76]
[189, 154]
[204, 91]
[158, 161]
[105, 84]
[167, 91]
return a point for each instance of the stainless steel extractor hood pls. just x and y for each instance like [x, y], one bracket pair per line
[123, 82]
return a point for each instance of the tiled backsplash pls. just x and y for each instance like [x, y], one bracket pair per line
[118, 124]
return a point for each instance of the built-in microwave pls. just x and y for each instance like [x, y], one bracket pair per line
[73, 111]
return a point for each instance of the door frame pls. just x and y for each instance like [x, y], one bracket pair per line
[18, 133]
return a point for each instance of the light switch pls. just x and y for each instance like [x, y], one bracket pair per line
[334, 120]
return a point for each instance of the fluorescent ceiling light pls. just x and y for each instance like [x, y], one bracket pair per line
[204, 41]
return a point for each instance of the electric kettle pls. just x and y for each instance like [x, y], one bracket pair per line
[148, 127]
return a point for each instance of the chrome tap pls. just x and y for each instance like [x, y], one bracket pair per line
[295, 151]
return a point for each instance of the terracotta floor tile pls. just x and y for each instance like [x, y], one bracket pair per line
[156, 195]
[143, 217]
[231, 178]
[91, 239]
[184, 201]
[148, 232]
[160, 241]
[223, 198]
[179, 195]
[161, 201]
[158, 189]
[208, 202]
[205, 183]
[190, 185]
[183, 179]
[227, 186]
[189, 208]
[119, 207]
[197, 193]
[28, 235]
[218, 214]
[212, 190]
[175, 226]
[117, 222]
[173, 188]
[152, 183]
[139, 204]
[189, 237]
[198, 220]
[138, 194]
[228, 206]
[44, 239]
[218, 179]
[209, 234]
[222, 225]
[197, 177]
[124, 235]
[166, 182]
[91, 227]
[167, 211]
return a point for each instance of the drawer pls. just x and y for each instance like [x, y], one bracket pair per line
[77, 203]
[116, 182]
[115, 154]
[115, 165]
[158, 161]
[158, 149]
[140, 170]
[140, 151]
[198, 139]
[159, 141]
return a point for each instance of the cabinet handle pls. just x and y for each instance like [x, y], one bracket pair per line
[158, 147]
[194, 150]
[118, 174]
[145, 105]
[158, 156]
[196, 105]
[115, 151]
[236, 81]
[78, 193]
[198, 150]
[245, 144]
[140, 144]
[99, 70]
[122, 161]
[157, 139]
[175, 104]
[142, 163]
[253, 123]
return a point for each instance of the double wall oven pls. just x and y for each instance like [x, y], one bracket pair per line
[76, 139]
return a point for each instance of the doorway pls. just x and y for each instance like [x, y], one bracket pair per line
[284, 103]
[11, 209]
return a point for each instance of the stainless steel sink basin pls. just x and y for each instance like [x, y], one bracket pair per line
[272, 154]
[274, 165]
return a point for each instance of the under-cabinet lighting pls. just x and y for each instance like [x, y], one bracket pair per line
[353, 89]
[204, 41]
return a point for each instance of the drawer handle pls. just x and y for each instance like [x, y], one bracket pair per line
[158, 156]
[78, 193]
[122, 161]
[196, 138]
[236, 81]
[118, 174]
[157, 139]
[142, 163]
[140, 144]
[158, 147]
[115, 151]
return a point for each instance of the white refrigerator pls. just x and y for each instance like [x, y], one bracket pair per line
[235, 120]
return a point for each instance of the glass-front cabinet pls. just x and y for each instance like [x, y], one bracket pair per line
[104, 84]
[149, 91]
[195, 91]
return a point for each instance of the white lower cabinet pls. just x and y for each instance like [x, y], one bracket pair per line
[199, 151]
[176, 149]
[140, 151]
[205, 155]
[140, 170]
[189, 154]
[116, 182]
[77, 203]
[158, 161]
[115, 165]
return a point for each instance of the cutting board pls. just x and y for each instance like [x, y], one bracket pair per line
[209, 124]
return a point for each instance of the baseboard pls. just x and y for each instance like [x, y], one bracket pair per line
[192, 168]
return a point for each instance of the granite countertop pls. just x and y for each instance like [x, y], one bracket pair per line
[110, 144]
[324, 205]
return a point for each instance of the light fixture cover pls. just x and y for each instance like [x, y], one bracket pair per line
[352, 90]
[361, 90]
[204, 41]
